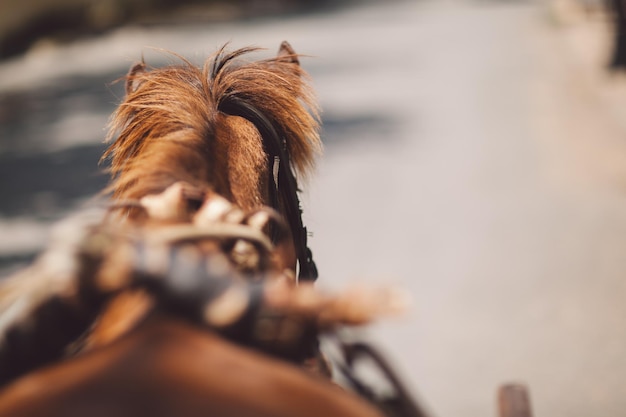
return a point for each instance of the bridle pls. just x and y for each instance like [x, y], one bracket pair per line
[283, 190]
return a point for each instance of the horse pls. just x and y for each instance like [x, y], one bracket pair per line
[191, 293]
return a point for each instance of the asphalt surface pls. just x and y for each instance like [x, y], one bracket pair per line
[475, 156]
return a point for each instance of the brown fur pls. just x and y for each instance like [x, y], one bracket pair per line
[169, 128]
[180, 372]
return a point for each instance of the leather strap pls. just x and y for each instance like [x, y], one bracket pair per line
[284, 194]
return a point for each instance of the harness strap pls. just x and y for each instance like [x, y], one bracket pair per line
[285, 189]
[399, 403]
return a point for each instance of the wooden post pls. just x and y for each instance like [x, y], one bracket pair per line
[514, 401]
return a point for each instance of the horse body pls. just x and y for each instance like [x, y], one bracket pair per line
[198, 154]
[168, 368]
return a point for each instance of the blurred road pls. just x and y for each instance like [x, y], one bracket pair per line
[475, 155]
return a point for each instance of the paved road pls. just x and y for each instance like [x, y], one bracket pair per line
[471, 159]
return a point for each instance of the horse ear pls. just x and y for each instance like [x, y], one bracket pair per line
[132, 81]
[287, 54]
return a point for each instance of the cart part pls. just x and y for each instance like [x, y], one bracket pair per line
[398, 403]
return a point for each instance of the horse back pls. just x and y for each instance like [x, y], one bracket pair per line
[170, 368]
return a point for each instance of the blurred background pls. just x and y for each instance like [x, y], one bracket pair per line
[475, 155]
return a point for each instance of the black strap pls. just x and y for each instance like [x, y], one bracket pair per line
[287, 188]
[399, 403]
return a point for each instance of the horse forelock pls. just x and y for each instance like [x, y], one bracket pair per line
[171, 127]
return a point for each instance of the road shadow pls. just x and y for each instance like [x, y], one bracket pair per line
[42, 184]
[356, 129]
[51, 139]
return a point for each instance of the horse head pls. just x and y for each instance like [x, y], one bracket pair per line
[242, 130]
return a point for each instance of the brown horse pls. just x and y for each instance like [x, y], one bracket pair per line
[183, 300]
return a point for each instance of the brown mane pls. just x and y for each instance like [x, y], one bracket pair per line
[172, 126]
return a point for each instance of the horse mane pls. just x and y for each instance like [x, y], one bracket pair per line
[186, 123]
